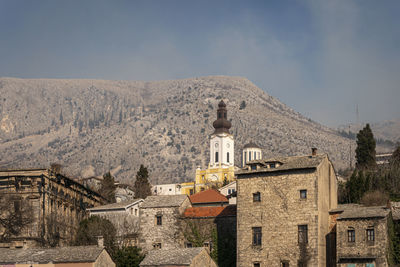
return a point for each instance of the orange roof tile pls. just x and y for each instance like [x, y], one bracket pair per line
[208, 196]
[197, 212]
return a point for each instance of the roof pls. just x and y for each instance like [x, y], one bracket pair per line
[356, 211]
[179, 256]
[50, 255]
[163, 201]
[251, 145]
[208, 196]
[202, 212]
[116, 206]
[285, 164]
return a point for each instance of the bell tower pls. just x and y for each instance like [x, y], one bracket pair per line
[221, 141]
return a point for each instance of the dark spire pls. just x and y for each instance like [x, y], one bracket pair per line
[222, 124]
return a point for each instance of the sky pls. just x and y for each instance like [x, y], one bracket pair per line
[321, 58]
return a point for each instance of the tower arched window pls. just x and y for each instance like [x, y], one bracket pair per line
[227, 157]
[255, 155]
[216, 156]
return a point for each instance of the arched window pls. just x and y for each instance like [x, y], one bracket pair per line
[227, 157]
[216, 156]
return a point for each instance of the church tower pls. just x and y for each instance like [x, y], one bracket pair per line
[221, 168]
[221, 141]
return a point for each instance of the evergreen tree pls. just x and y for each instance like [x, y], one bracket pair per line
[142, 187]
[108, 187]
[365, 151]
[93, 227]
[128, 257]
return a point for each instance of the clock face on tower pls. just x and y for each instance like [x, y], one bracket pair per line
[216, 144]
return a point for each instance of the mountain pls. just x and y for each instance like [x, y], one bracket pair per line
[386, 132]
[93, 126]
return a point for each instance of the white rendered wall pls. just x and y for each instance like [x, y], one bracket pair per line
[223, 144]
[251, 153]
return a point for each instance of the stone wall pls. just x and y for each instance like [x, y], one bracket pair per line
[281, 211]
[168, 234]
[362, 248]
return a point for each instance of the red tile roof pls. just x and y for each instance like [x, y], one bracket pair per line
[198, 212]
[208, 196]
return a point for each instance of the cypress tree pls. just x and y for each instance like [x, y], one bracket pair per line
[365, 151]
[108, 187]
[142, 187]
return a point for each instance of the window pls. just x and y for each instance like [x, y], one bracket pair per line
[257, 235]
[259, 156]
[303, 194]
[369, 265]
[216, 156]
[249, 155]
[135, 212]
[370, 235]
[219, 115]
[189, 245]
[257, 197]
[227, 157]
[255, 155]
[170, 189]
[351, 235]
[272, 165]
[245, 157]
[284, 263]
[256, 264]
[229, 191]
[254, 167]
[157, 245]
[225, 115]
[190, 191]
[303, 233]
[159, 219]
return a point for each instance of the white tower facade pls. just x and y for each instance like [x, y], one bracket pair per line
[222, 145]
[251, 152]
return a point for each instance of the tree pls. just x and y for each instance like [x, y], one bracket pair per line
[90, 229]
[108, 187]
[142, 187]
[365, 151]
[128, 257]
[15, 215]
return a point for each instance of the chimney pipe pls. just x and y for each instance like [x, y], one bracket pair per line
[314, 151]
[100, 241]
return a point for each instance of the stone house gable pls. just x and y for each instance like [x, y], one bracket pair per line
[159, 222]
[193, 257]
[283, 211]
[362, 235]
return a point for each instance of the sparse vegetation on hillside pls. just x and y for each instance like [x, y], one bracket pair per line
[93, 126]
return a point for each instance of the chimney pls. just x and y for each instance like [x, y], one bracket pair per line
[100, 241]
[314, 151]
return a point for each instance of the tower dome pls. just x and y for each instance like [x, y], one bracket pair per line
[222, 125]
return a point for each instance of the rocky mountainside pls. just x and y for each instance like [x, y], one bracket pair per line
[93, 126]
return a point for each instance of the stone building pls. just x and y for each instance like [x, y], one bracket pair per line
[214, 228]
[57, 204]
[159, 221]
[125, 218]
[79, 256]
[192, 257]
[283, 211]
[361, 235]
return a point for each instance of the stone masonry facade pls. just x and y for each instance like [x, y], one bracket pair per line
[271, 202]
[362, 251]
[165, 234]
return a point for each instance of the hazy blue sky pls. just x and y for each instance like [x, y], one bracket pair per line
[322, 58]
